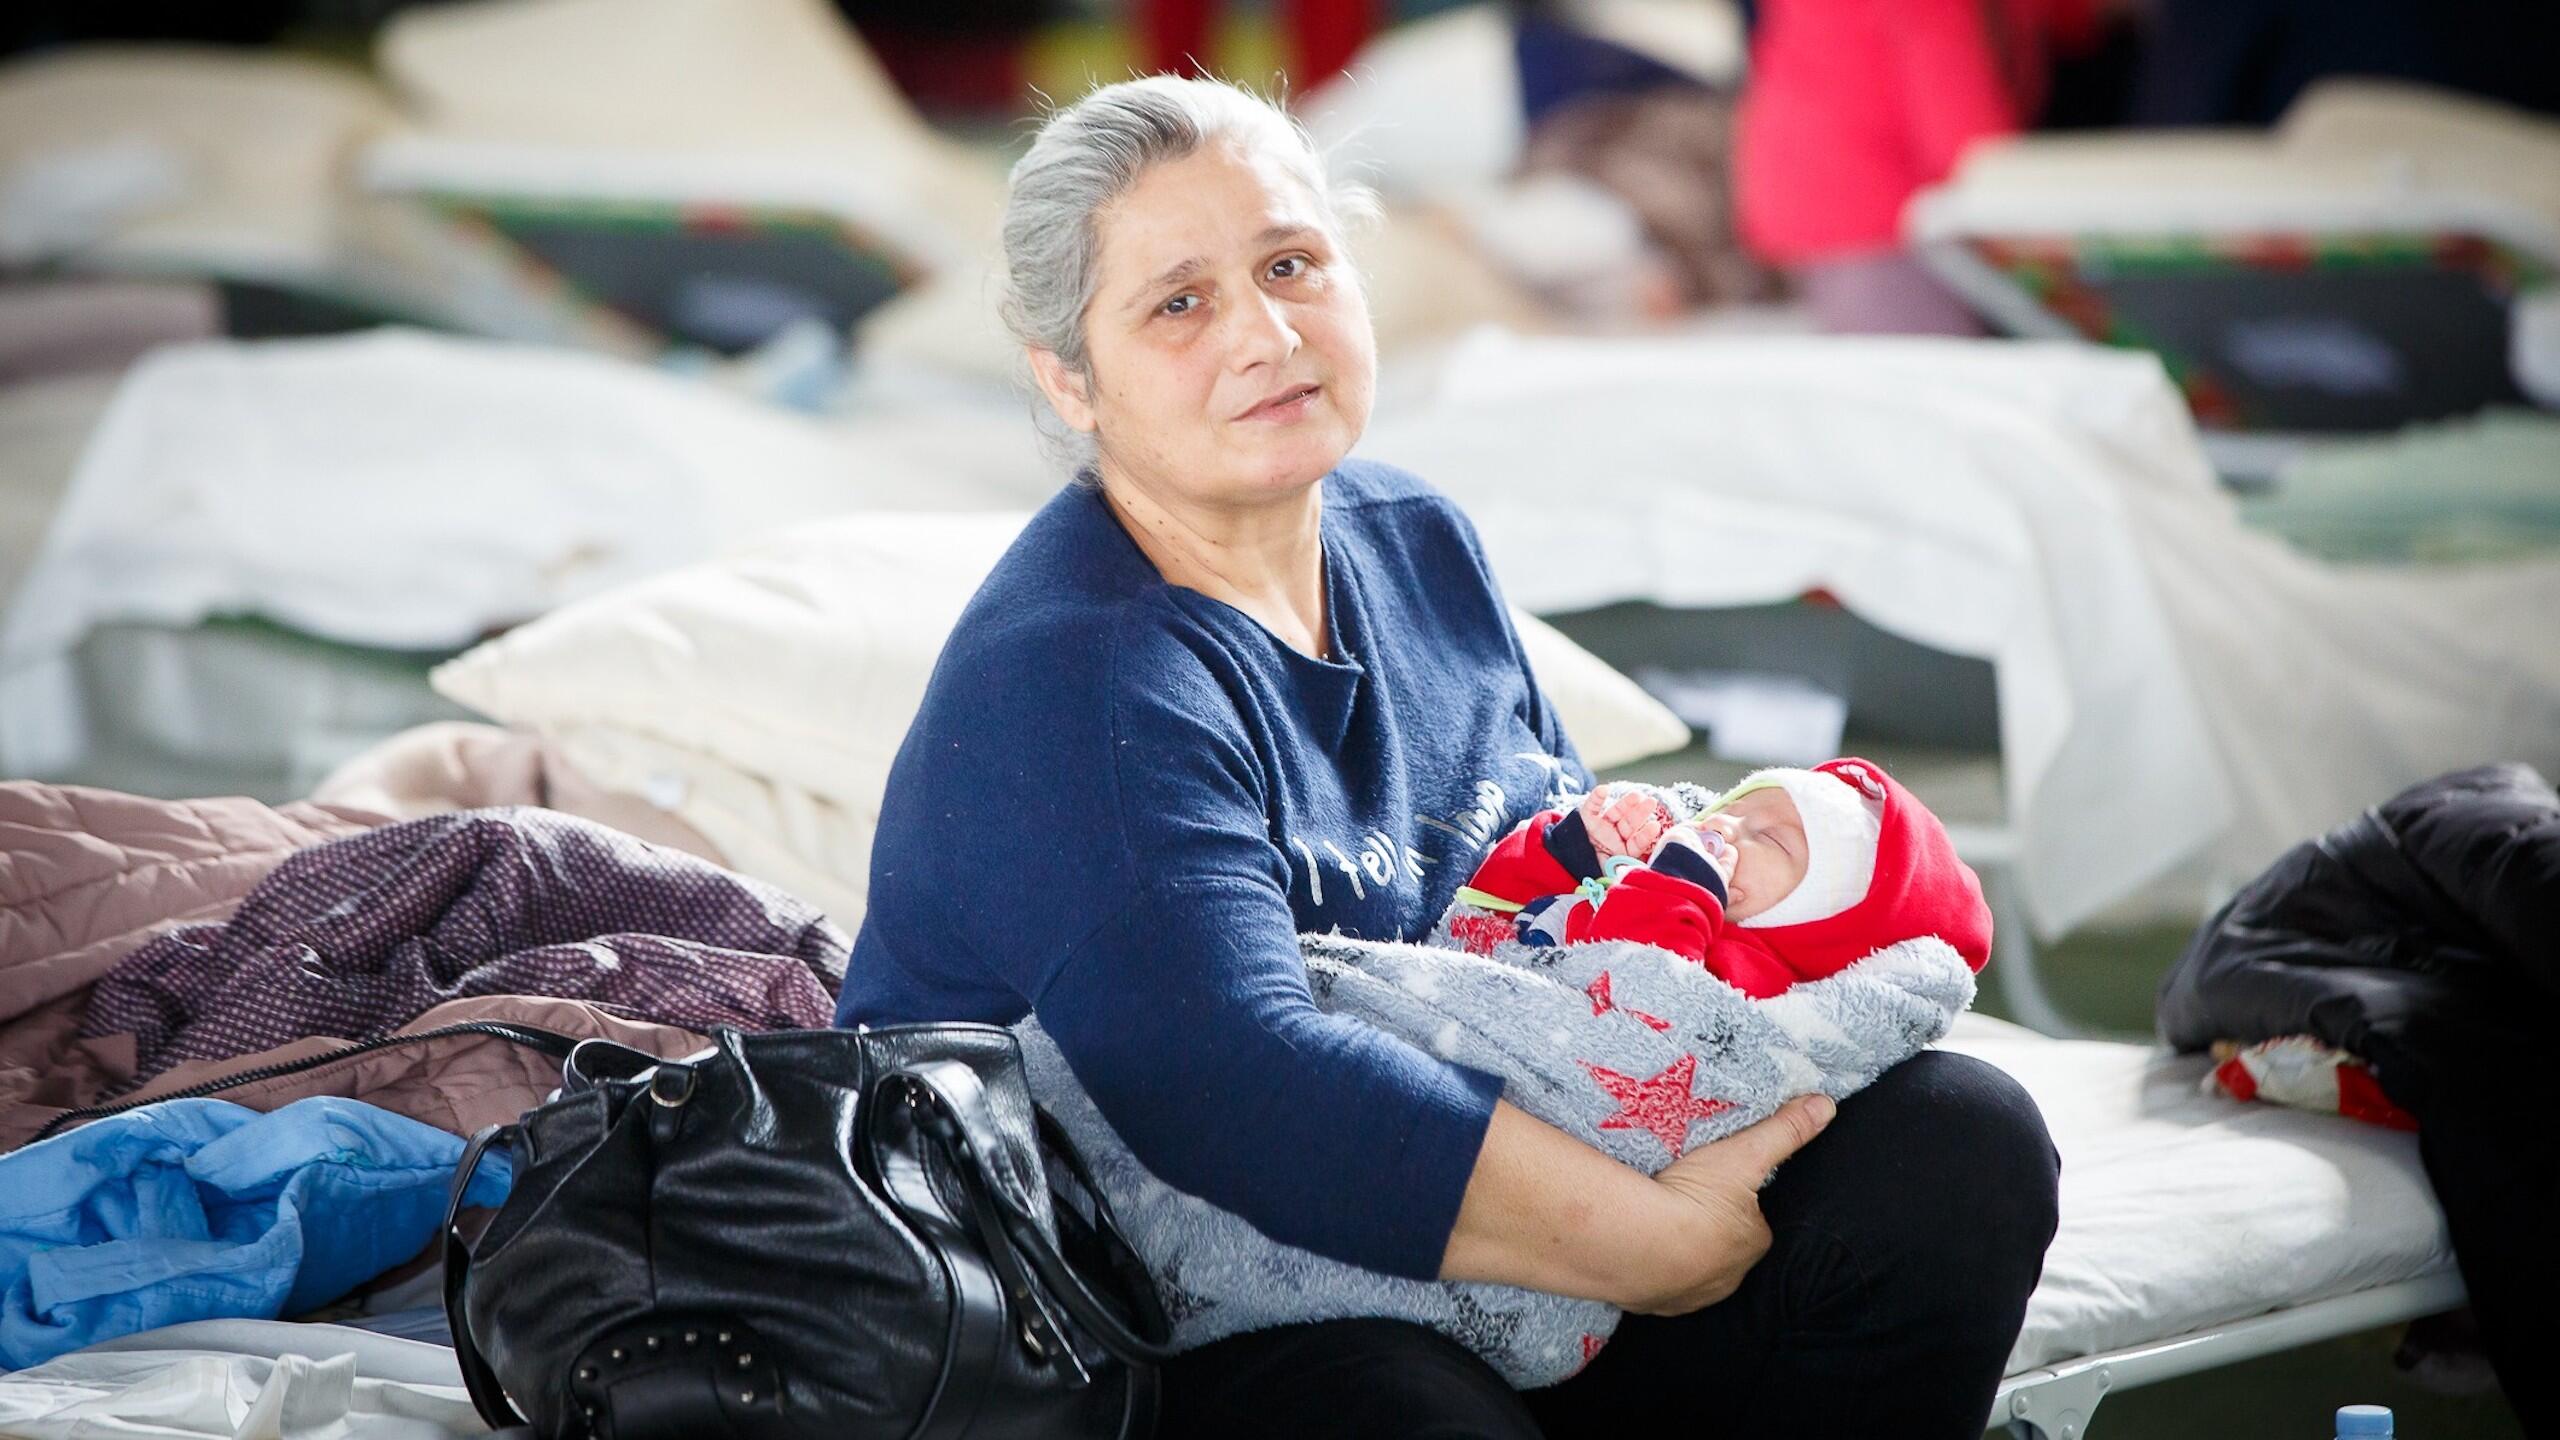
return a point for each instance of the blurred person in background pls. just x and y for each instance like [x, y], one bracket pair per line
[1853, 106]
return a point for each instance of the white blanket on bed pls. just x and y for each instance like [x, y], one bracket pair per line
[243, 1380]
[412, 491]
[2170, 684]
[2183, 1209]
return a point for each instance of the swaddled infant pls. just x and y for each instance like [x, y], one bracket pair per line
[1789, 876]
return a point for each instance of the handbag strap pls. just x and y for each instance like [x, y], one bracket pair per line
[594, 1060]
[1103, 1231]
[487, 1396]
[953, 1109]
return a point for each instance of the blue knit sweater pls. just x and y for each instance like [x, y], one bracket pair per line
[1121, 802]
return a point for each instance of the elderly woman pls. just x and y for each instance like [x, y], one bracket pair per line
[1230, 686]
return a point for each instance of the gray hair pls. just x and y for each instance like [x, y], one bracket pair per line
[1085, 157]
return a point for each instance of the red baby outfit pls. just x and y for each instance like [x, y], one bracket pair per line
[1549, 868]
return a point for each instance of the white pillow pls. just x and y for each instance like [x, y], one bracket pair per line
[1611, 719]
[776, 832]
[761, 697]
[800, 658]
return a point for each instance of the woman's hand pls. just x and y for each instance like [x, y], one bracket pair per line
[1545, 1211]
[1725, 1232]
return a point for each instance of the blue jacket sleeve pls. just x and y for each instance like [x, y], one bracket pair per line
[1188, 1019]
[1542, 716]
[1154, 939]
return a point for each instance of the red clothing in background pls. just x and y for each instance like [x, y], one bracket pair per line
[1853, 105]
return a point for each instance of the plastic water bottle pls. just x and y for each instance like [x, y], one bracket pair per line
[2364, 1420]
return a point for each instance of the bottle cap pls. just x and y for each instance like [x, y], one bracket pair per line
[2363, 1420]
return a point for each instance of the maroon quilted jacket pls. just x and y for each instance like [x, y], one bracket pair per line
[356, 937]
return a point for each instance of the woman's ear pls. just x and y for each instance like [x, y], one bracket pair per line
[1063, 387]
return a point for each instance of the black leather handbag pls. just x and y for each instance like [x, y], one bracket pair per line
[818, 1234]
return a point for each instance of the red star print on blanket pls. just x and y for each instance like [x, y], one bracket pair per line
[1601, 1004]
[1662, 1104]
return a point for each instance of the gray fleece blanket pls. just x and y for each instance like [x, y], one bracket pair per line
[1626, 1046]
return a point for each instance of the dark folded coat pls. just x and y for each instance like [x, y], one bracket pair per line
[2424, 936]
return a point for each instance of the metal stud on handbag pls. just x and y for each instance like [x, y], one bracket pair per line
[803, 1233]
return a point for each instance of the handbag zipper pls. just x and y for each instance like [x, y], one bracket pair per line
[549, 1042]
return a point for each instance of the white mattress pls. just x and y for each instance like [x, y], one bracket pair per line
[2351, 154]
[227, 1378]
[44, 425]
[752, 100]
[182, 156]
[2182, 1210]
[1970, 497]
[412, 491]
[2179, 1210]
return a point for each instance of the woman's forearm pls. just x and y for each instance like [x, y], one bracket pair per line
[1547, 1212]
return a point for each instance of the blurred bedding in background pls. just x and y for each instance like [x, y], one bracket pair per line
[600, 404]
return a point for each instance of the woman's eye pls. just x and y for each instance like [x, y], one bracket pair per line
[1288, 267]
[1179, 305]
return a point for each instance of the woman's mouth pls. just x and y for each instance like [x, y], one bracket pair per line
[1285, 406]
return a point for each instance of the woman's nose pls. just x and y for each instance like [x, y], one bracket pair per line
[1263, 334]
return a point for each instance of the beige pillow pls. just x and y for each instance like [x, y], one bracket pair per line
[777, 832]
[761, 697]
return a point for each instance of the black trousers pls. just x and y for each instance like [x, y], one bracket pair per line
[1906, 1239]
[2485, 1136]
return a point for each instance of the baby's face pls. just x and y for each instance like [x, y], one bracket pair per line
[1769, 850]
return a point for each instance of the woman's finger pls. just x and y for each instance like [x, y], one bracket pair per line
[1750, 1156]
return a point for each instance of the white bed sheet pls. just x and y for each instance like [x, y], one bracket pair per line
[771, 100]
[1969, 497]
[44, 425]
[2351, 154]
[243, 1380]
[2182, 1210]
[2171, 684]
[404, 490]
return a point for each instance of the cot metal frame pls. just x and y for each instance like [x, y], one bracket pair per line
[2056, 1402]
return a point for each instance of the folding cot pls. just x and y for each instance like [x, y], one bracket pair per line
[709, 180]
[2199, 1232]
[2196, 1231]
[2385, 255]
[204, 164]
[677, 177]
[2046, 509]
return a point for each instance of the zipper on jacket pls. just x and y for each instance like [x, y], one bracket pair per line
[549, 1042]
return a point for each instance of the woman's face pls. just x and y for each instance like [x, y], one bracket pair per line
[1231, 355]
